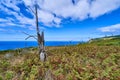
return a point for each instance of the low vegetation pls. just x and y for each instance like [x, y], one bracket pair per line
[80, 62]
[106, 41]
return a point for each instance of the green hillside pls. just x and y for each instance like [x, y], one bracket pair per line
[106, 41]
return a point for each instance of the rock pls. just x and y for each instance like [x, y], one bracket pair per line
[8, 55]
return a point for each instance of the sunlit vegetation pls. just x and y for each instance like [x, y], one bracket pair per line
[106, 41]
[80, 62]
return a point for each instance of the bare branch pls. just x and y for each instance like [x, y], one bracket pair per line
[31, 10]
[30, 36]
[25, 33]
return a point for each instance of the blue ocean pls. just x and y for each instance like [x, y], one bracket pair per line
[10, 45]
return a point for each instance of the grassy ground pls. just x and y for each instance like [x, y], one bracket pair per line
[81, 62]
[106, 41]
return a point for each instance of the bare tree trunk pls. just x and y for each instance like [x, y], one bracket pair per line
[43, 41]
[40, 36]
[37, 30]
[40, 39]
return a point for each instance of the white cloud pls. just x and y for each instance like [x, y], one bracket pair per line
[100, 7]
[6, 22]
[112, 28]
[52, 12]
[19, 20]
[66, 8]
[45, 17]
[77, 11]
[48, 19]
[11, 4]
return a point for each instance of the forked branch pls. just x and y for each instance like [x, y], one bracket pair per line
[29, 36]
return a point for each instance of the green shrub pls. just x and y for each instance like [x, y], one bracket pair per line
[9, 75]
[1, 78]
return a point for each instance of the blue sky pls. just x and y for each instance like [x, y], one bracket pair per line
[63, 20]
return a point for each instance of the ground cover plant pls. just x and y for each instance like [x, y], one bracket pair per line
[80, 62]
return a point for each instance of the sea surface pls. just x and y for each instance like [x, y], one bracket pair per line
[11, 45]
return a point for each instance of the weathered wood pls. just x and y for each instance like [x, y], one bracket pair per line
[40, 38]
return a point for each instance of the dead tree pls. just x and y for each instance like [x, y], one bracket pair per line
[40, 36]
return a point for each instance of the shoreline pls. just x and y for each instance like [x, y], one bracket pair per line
[23, 44]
